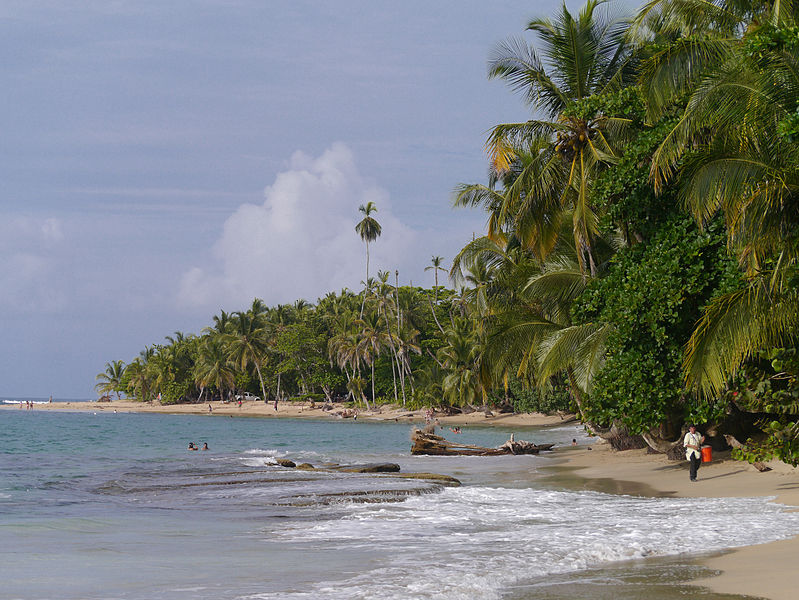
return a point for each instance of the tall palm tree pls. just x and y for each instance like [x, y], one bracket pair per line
[110, 380]
[139, 379]
[369, 230]
[385, 306]
[460, 357]
[344, 346]
[435, 266]
[248, 344]
[557, 160]
[372, 340]
[214, 367]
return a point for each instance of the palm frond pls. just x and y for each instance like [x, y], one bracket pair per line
[732, 328]
[580, 347]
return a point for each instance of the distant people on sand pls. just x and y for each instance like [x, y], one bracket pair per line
[210, 408]
[693, 452]
[574, 441]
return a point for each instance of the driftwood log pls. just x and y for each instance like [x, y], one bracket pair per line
[428, 443]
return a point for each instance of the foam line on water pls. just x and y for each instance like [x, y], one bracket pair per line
[474, 542]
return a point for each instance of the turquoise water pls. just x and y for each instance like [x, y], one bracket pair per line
[114, 506]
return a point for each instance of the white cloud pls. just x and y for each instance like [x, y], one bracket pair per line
[301, 242]
[29, 274]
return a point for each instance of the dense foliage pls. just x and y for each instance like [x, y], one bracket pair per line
[640, 264]
[653, 294]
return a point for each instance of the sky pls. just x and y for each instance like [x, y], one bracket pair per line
[163, 161]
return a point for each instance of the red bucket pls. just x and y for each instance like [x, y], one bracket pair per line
[707, 454]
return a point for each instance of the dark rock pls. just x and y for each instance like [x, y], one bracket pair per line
[305, 467]
[445, 480]
[370, 468]
[285, 462]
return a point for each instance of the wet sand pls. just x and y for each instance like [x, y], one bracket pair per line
[763, 571]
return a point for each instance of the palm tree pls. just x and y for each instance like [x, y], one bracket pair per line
[385, 305]
[111, 379]
[369, 230]
[691, 38]
[732, 153]
[435, 266]
[139, 379]
[214, 367]
[554, 162]
[344, 347]
[355, 386]
[248, 343]
[221, 323]
[460, 358]
[372, 339]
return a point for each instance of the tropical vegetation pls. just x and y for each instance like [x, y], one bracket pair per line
[640, 264]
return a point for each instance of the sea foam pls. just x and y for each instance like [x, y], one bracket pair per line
[475, 542]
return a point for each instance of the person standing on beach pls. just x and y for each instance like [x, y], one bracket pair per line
[693, 443]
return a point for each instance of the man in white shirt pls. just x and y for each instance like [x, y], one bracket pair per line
[693, 444]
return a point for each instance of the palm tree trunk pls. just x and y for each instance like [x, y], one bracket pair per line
[435, 318]
[366, 283]
[349, 378]
[393, 352]
[261, 379]
[373, 378]
[399, 329]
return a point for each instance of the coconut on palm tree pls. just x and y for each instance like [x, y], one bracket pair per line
[555, 160]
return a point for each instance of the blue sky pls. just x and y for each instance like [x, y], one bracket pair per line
[165, 160]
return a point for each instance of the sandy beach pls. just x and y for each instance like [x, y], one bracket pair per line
[764, 571]
[304, 410]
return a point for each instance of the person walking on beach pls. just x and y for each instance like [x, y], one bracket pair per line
[693, 444]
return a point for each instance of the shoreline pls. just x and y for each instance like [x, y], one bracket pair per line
[303, 410]
[761, 571]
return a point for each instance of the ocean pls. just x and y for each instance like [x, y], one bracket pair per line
[114, 506]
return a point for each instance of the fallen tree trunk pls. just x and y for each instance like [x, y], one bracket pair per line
[434, 445]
